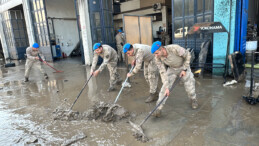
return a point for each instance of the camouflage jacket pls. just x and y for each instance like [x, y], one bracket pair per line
[119, 39]
[141, 53]
[178, 58]
[108, 54]
[31, 54]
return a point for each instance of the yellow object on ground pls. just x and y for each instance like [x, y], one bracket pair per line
[197, 71]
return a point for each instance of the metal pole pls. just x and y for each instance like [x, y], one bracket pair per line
[252, 75]
[123, 86]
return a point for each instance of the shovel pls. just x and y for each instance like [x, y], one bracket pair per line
[138, 128]
[68, 114]
[109, 110]
[123, 85]
[81, 92]
[57, 71]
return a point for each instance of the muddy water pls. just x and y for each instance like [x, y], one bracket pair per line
[26, 111]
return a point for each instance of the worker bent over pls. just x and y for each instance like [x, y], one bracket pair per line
[142, 53]
[33, 54]
[119, 43]
[174, 61]
[110, 59]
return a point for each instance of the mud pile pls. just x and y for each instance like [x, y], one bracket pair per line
[138, 132]
[107, 112]
[67, 115]
[104, 111]
[140, 137]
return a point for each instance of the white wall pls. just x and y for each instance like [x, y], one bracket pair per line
[65, 30]
[86, 30]
[10, 4]
[28, 21]
[3, 41]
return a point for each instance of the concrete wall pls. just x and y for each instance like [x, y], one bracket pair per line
[86, 30]
[130, 5]
[3, 41]
[28, 21]
[9, 4]
[65, 29]
[222, 14]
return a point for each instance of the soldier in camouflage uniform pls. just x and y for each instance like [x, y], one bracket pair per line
[142, 53]
[33, 59]
[119, 43]
[110, 59]
[164, 38]
[177, 60]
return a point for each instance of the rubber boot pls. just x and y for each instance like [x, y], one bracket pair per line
[26, 79]
[157, 113]
[151, 98]
[111, 89]
[194, 103]
[46, 76]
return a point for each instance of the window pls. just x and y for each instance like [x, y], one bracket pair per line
[14, 29]
[102, 21]
[185, 14]
[39, 22]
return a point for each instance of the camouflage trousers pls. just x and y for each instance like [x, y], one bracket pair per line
[28, 65]
[188, 80]
[114, 76]
[120, 53]
[151, 75]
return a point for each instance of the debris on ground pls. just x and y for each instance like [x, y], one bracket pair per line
[256, 86]
[251, 100]
[138, 133]
[32, 140]
[66, 115]
[74, 139]
[230, 83]
[107, 112]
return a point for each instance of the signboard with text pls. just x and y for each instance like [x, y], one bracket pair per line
[207, 27]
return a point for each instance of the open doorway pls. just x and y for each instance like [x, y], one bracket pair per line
[63, 28]
[15, 32]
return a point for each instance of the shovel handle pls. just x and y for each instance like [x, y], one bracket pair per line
[123, 85]
[81, 91]
[175, 83]
[48, 64]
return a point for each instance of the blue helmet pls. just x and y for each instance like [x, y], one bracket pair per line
[35, 45]
[96, 46]
[156, 45]
[126, 47]
[119, 30]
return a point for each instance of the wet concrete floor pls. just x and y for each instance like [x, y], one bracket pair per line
[222, 118]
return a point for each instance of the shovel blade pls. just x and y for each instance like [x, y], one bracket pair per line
[137, 128]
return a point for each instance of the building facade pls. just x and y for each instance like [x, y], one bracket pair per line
[80, 23]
